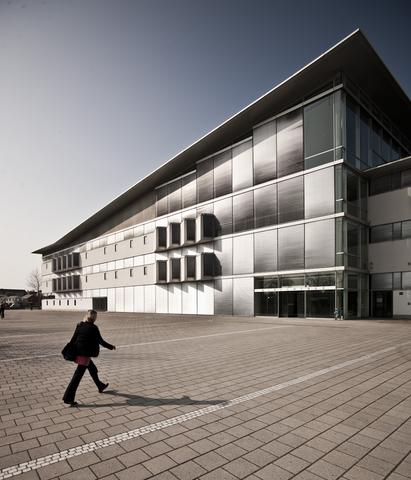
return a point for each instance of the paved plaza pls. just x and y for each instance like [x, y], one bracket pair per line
[215, 398]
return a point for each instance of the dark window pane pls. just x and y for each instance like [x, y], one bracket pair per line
[222, 174]
[406, 280]
[292, 281]
[381, 281]
[291, 200]
[175, 269]
[174, 196]
[205, 180]
[381, 233]
[265, 204]
[264, 142]
[320, 303]
[353, 195]
[243, 215]
[291, 248]
[320, 244]
[162, 270]
[290, 143]
[208, 225]
[175, 233]
[320, 280]
[162, 237]
[208, 264]
[242, 166]
[266, 282]
[406, 229]
[318, 132]
[266, 303]
[386, 147]
[380, 185]
[364, 138]
[353, 245]
[265, 251]
[406, 178]
[162, 207]
[351, 130]
[376, 144]
[190, 266]
[190, 230]
[189, 190]
[223, 211]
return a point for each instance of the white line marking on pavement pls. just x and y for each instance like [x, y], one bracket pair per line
[138, 432]
[182, 339]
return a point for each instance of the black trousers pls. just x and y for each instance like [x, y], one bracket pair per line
[71, 390]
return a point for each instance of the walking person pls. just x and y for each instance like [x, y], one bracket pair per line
[86, 342]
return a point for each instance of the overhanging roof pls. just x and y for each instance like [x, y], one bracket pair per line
[354, 56]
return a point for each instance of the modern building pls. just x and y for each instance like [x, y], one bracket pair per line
[298, 204]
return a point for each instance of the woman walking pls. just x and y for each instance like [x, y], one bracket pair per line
[86, 342]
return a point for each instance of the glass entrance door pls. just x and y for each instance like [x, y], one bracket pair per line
[291, 304]
[382, 304]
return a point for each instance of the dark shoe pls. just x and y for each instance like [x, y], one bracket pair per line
[103, 387]
[72, 404]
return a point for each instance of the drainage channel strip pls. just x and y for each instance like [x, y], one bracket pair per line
[138, 432]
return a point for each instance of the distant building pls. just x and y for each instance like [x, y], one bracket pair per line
[298, 204]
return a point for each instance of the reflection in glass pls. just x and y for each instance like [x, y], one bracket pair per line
[242, 166]
[318, 132]
[381, 281]
[319, 193]
[265, 251]
[189, 190]
[265, 205]
[223, 211]
[290, 143]
[264, 140]
[320, 244]
[320, 303]
[265, 282]
[351, 131]
[222, 174]
[205, 180]
[243, 260]
[243, 212]
[381, 233]
[174, 196]
[266, 303]
[291, 200]
[291, 247]
[162, 207]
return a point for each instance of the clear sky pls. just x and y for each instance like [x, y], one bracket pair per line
[95, 94]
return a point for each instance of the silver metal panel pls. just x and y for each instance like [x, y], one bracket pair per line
[120, 299]
[243, 261]
[161, 299]
[265, 152]
[265, 251]
[139, 299]
[150, 298]
[291, 200]
[223, 250]
[222, 174]
[111, 299]
[320, 244]
[242, 166]
[189, 190]
[189, 298]
[265, 206]
[205, 298]
[174, 196]
[223, 297]
[205, 180]
[243, 296]
[128, 299]
[243, 212]
[291, 248]
[174, 299]
[290, 143]
[223, 211]
[319, 193]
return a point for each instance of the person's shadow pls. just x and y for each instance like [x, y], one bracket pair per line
[139, 400]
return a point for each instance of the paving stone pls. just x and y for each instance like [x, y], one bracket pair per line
[138, 472]
[54, 470]
[82, 474]
[159, 464]
[107, 467]
[188, 471]
[271, 472]
[291, 463]
[326, 470]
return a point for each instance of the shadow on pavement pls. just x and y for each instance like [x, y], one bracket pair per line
[139, 400]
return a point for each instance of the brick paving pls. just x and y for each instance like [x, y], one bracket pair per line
[350, 422]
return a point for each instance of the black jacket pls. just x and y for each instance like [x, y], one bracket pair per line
[87, 340]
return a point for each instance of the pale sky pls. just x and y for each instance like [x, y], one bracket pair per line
[95, 94]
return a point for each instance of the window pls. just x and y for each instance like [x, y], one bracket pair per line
[75, 302]
[86, 255]
[115, 274]
[189, 190]
[243, 214]
[265, 206]
[115, 247]
[174, 196]
[222, 174]
[59, 302]
[144, 270]
[318, 132]
[54, 302]
[175, 233]
[86, 278]
[190, 230]
[320, 244]
[265, 154]
[291, 200]
[265, 251]
[105, 276]
[381, 281]
[162, 270]
[242, 166]
[68, 302]
[131, 272]
[47, 302]
[47, 284]
[161, 237]
[290, 143]
[162, 201]
[406, 280]
[351, 132]
[243, 259]
[175, 268]
[190, 266]
[205, 180]
[406, 229]
[291, 248]
[145, 239]
[381, 233]
[131, 243]
[223, 211]
[319, 193]
[47, 267]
